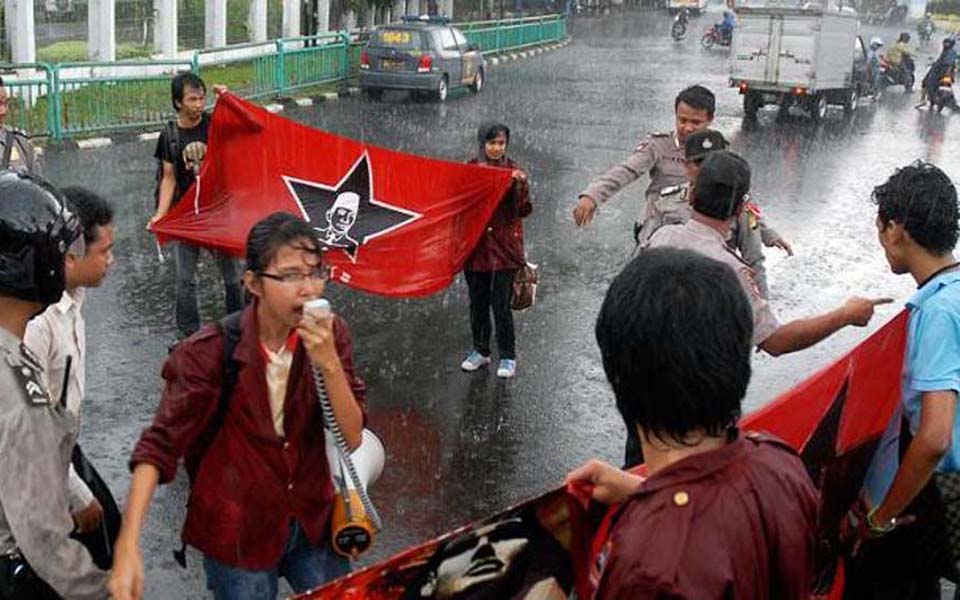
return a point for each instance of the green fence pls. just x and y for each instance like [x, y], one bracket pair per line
[93, 96]
[514, 34]
[70, 99]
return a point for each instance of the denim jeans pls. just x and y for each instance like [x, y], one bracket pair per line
[303, 565]
[187, 312]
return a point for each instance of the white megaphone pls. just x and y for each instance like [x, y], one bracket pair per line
[352, 527]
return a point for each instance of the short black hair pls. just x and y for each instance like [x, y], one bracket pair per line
[273, 232]
[91, 208]
[721, 185]
[922, 198]
[179, 84]
[698, 97]
[675, 333]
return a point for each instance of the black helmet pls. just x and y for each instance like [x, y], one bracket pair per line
[36, 230]
[904, 36]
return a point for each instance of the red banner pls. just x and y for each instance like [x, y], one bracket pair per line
[392, 223]
[544, 548]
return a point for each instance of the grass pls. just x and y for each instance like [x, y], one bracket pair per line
[76, 51]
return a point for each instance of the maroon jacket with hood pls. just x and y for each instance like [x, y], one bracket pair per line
[501, 244]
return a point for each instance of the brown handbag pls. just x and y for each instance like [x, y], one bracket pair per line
[525, 286]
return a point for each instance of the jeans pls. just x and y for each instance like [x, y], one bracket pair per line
[492, 290]
[303, 565]
[187, 312]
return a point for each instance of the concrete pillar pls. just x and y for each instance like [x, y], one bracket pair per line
[323, 16]
[291, 18]
[350, 20]
[413, 8]
[446, 8]
[215, 23]
[20, 30]
[258, 21]
[165, 27]
[101, 30]
[370, 15]
[399, 9]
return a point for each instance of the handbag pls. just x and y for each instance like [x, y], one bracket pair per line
[525, 281]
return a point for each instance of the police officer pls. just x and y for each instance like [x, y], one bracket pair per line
[659, 154]
[16, 151]
[38, 558]
[748, 234]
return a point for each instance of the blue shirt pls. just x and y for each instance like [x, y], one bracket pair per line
[932, 360]
[931, 364]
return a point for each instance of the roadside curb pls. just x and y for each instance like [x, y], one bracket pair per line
[282, 104]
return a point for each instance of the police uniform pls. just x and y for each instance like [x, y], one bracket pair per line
[660, 155]
[696, 236]
[748, 234]
[23, 156]
[35, 521]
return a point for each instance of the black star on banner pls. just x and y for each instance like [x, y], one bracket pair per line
[347, 215]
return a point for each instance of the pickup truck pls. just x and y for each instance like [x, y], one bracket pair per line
[809, 57]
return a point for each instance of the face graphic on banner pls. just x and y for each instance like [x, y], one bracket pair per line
[482, 556]
[347, 215]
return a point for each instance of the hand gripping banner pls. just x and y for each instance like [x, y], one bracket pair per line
[391, 223]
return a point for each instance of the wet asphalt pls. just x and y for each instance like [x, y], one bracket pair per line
[461, 446]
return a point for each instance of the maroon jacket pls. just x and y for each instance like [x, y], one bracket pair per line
[501, 244]
[251, 482]
[738, 523]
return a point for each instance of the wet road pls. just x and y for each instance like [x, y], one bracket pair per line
[461, 446]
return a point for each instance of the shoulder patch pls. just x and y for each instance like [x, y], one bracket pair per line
[27, 374]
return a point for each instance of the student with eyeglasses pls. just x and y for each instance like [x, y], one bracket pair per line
[261, 497]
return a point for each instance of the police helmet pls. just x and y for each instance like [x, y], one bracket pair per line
[875, 42]
[905, 37]
[700, 143]
[36, 230]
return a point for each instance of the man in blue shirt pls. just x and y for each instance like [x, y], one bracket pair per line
[917, 227]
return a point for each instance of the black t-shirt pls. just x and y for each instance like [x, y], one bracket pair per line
[191, 149]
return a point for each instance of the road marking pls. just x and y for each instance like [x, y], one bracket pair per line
[148, 137]
[328, 96]
[303, 101]
[274, 108]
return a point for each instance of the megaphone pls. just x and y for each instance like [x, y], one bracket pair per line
[352, 527]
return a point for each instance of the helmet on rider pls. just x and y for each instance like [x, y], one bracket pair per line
[949, 42]
[36, 231]
[904, 37]
[875, 42]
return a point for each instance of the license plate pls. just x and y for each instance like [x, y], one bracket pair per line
[392, 64]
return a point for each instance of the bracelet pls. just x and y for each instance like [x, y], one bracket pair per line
[873, 527]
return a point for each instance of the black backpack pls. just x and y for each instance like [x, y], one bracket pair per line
[229, 327]
[172, 134]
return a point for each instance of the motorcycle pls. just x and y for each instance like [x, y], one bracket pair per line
[714, 36]
[942, 96]
[679, 28]
[897, 75]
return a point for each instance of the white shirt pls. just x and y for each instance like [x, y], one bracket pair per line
[278, 372]
[53, 335]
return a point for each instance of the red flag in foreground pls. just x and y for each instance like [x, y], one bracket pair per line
[393, 223]
[545, 548]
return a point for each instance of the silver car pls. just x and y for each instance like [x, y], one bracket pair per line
[423, 55]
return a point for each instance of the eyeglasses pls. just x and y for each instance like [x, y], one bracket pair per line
[320, 274]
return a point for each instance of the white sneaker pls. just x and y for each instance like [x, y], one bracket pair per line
[507, 368]
[474, 361]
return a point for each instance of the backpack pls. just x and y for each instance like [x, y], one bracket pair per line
[229, 327]
[172, 136]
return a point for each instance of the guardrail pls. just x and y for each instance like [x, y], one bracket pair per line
[70, 99]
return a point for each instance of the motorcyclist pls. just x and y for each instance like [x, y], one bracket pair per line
[727, 25]
[926, 27]
[943, 66]
[899, 50]
[679, 28]
[873, 60]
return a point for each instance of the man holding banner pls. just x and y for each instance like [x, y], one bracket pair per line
[895, 557]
